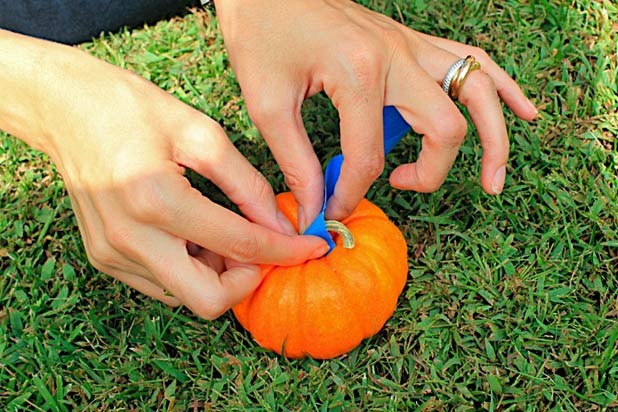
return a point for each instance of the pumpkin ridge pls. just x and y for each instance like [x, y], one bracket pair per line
[382, 259]
[333, 278]
[254, 294]
[359, 321]
[368, 269]
[301, 302]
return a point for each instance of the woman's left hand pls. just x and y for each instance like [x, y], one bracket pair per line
[363, 61]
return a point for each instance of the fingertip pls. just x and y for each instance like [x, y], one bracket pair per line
[320, 251]
[408, 177]
[309, 247]
[314, 247]
[310, 201]
[519, 104]
[493, 176]
[532, 111]
[523, 108]
[398, 178]
[497, 183]
[336, 209]
[296, 250]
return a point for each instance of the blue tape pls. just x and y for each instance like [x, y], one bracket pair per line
[395, 128]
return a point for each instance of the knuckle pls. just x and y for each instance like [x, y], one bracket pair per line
[395, 37]
[199, 130]
[372, 166]
[452, 129]
[170, 278]
[118, 238]
[98, 251]
[245, 249]
[479, 53]
[210, 307]
[479, 81]
[147, 201]
[365, 66]
[264, 110]
[482, 81]
[260, 191]
[261, 188]
[298, 178]
[100, 255]
[201, 133]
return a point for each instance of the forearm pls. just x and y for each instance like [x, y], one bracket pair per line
[45, 86]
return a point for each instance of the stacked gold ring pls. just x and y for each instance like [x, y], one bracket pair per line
[457, 74]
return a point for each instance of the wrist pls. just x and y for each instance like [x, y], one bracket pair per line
[36, 77]
[20, 66]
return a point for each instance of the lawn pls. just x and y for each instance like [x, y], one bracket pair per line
[511, 302]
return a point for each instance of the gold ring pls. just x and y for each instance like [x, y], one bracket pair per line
[469, 65]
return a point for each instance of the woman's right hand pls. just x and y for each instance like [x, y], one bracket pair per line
[122, 146]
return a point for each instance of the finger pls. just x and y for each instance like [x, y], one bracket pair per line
[145, 286]
[231, 287]
[209, 258]
[168, 201]
[479, 95]
[195, 284]
[205, 148]
[360, 103]
[97, 237]
[431, 113]
[507, 88]
[239, 280]
[277, 115]
[225, 233]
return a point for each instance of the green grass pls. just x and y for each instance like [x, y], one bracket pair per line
[511, 302]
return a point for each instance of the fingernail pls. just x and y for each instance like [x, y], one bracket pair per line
[498, 183]
[302, 220]
[286, 226]
[533, 108]
[319, 252]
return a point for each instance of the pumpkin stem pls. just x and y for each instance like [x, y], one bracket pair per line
[341, 229]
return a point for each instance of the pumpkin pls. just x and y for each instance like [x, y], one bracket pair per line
[325, 307]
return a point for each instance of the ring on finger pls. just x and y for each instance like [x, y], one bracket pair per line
[450, 75]
[470, 64]
[457, 74]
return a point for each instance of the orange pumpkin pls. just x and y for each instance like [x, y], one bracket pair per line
[325, 307]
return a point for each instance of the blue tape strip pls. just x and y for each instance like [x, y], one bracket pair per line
[395, 128]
